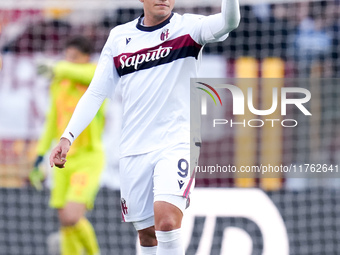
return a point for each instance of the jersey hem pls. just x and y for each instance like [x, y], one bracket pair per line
[138, 218]
[140, 152]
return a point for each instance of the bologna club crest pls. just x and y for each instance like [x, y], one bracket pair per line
[124, 207]
[165, 34]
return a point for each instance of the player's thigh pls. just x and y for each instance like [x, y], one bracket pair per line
[136, 187]
[167, 216]
[84, 181]
[59, 187]
[71, 213]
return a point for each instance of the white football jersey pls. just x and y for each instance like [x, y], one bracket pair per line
[152, 67]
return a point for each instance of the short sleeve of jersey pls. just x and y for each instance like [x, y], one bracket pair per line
[200, 33]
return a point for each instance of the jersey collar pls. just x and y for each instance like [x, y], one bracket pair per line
[153, 28]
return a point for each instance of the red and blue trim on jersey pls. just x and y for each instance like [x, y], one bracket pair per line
[186, 192]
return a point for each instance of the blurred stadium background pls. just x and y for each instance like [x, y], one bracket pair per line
[239, 216]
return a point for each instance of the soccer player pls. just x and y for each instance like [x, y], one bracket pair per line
[151, 60]
[74, 188]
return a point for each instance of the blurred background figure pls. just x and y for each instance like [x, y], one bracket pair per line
[73, 188]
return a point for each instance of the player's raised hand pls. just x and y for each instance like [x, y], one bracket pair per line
[58, 154]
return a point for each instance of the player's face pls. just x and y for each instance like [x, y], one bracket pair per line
[156, 11]
[74, 55]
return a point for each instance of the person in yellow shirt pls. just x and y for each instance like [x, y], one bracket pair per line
[74, 188]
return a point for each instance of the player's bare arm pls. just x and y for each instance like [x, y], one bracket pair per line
[58, 154]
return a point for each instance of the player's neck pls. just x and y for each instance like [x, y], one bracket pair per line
[150, 21]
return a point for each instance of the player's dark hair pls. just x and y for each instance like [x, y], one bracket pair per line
[81, 43]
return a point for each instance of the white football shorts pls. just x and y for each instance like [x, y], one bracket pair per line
[160, 175]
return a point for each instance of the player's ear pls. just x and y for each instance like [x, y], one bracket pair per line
[142, 1]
